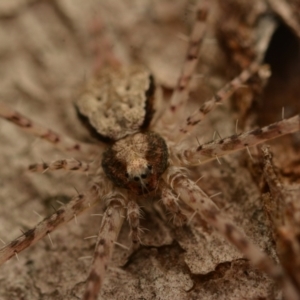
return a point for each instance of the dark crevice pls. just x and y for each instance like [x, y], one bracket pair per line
[283, 89]
[283, 54]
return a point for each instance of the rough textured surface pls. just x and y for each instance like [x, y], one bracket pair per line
[114, 102]
[46, 52]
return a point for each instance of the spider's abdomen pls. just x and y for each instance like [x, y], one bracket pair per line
[117, 102]
[136, 162]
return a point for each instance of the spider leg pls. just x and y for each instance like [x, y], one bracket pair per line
[66, 164]
[282, 211]
[133, 215]
[180, 94]
[215, 149]
[170, 201]
[277, 208]
[223, 94]
[61, 142]
[111, 224]
[194, 197]
[64, 214]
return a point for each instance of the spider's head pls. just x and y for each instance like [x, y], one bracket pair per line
[136, 162]
[138, 169]
[140, 176]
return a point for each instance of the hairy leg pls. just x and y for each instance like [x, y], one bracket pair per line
[181, 91]
[64, 214]
[194, 197]
[224, 93]
[213, 150]
[61, 142]
[170, 201]
[66, 164]
[111, 224]
[134, 215]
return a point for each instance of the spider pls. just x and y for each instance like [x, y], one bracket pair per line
[144, 158]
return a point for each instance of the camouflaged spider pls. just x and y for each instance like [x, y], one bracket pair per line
[118, 107]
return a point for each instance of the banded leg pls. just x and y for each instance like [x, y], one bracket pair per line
[111, 224]
[64, 214]
[180, 94]
[170, 201]
[276, 207]
[66, 164]
[215, 149]
[61, 142]
[134, 215]
[194, 197]
[223, 94]
[282, 209]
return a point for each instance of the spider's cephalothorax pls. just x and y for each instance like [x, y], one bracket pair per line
[116, 106]
[136, 162]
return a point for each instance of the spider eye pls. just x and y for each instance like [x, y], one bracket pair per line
[136, 178]
[144, 176]
[149, 167]
[127, 175]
